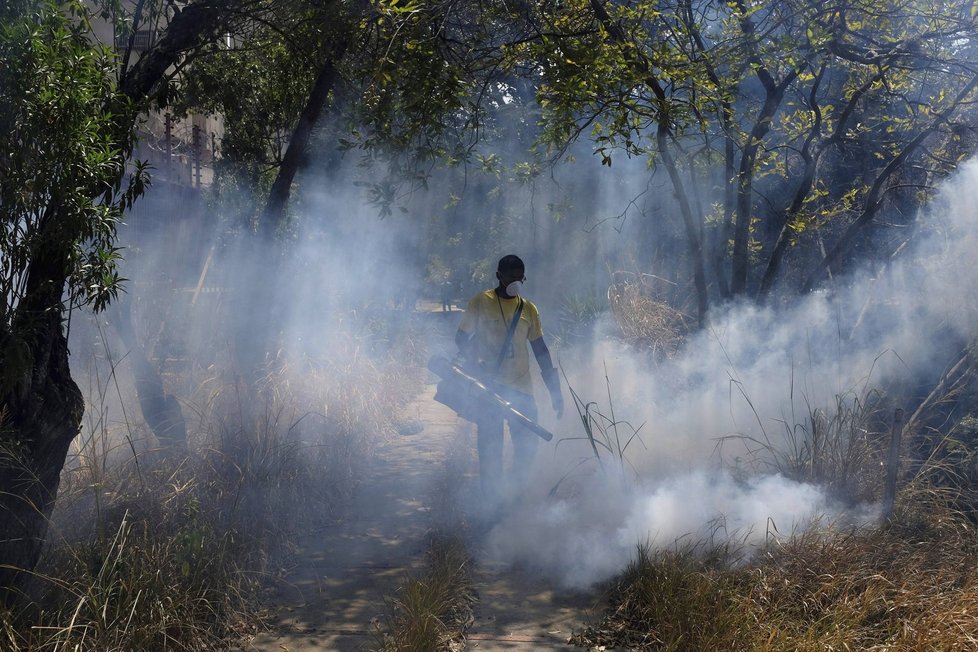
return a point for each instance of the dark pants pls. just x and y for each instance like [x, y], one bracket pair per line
[490, 444]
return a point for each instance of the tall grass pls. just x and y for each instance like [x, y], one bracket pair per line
[165, 579]
[910, 586]
[840, 448]
[163, 551]
[608, 437]
[668, 600]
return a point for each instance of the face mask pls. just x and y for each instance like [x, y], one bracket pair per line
[514, 288]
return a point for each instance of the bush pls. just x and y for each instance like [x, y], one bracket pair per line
[430, 609]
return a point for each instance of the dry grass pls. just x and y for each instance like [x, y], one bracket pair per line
[430, 611]
[840, 448]
[908, 587]
[911, 585]
[669, 600]
[166, 550]
[165, 579]
[645, 319]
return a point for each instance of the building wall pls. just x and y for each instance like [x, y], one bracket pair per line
[180, 149]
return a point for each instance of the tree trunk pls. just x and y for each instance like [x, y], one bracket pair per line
[773, 95]
[161, 411]
[295, 153]
[37, 428]
[693, 239]
[260, 292]
[189, 27]
[801, 193]
[717, 245]
[692, 225]
[41, 409]
[745, 180]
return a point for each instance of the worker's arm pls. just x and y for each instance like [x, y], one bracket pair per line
[549, 373]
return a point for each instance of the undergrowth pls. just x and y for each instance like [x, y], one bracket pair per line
[839, 448]
[910, 586]
[645, 316]
[165, 549]
[432, 609]
[910, 583]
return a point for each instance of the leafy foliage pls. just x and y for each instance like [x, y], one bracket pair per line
[65, 134]
[796, 117]
[258, 79]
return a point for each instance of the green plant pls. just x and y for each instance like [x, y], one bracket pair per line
[576, 318]
[839, 448]
[67, 179]
[608, 437]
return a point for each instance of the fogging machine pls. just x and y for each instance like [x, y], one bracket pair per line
[466, 395]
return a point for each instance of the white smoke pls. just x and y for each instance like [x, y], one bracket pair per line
[751, 372]
[587, 539]
[754, 374]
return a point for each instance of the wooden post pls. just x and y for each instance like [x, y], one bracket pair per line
[892, 465]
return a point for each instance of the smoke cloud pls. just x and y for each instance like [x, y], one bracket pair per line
[742, 383]
[738, 395]
[591, 537]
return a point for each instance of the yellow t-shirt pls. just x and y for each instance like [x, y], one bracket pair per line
[487, 318]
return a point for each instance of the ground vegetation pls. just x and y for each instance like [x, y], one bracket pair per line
[67, 134]
[149, 549]
[904, 587]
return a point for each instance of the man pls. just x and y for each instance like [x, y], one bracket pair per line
[492, 338]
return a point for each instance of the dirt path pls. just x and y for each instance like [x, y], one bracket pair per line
[517, 611]
[334, 598]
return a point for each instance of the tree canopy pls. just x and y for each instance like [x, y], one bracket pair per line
[803, 120]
